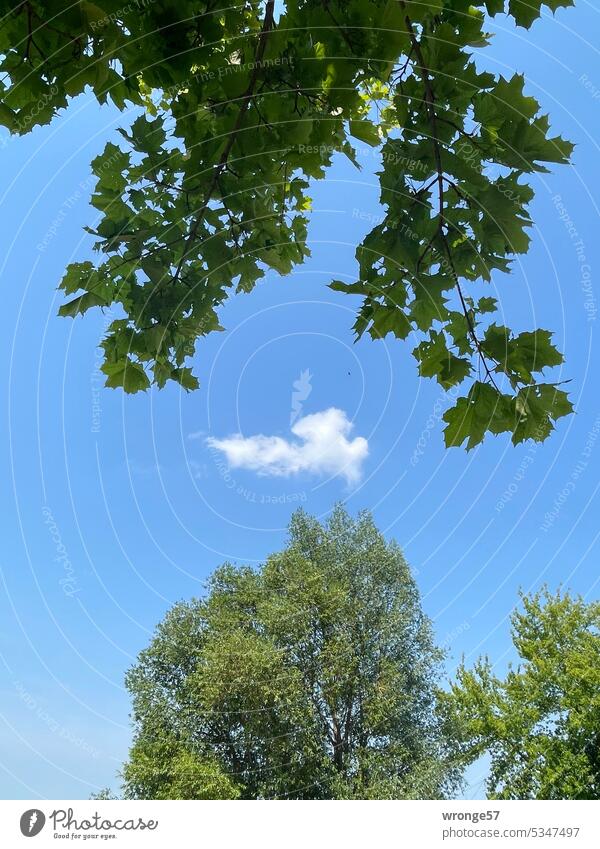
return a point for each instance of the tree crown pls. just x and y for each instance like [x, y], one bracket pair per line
[312, 676]
[540, 723]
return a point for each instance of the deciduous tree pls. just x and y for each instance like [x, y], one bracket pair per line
[312, 676]
[540, 724]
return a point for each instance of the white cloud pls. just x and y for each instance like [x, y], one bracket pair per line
[322, 448]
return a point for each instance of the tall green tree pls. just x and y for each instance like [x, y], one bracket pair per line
[541, 723]
[241, 108]
[312, 676]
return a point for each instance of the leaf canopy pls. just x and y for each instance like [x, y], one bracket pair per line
[208, 187]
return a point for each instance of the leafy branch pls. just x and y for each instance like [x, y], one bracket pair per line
[429, 100]
[244, 105]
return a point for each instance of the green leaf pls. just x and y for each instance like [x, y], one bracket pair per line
[494, 7]
[519, 357]
[162, 372]
[487, 305]
[185, 377]
[429, 303]
[484, 409]
[80, 305]
[8, 117]
[537, 408]
[109, 167]
[77, 276]
[366, 132]
[525, 12]
[458, 328]
[357, 288]
[128, 375]
[435, 360]
[389, 319]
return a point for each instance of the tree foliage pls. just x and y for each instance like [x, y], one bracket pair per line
[240, 109]
[541, 723]
[105, 794]
[310, 677]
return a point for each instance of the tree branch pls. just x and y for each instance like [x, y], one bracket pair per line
[442, 222]
[246, 100]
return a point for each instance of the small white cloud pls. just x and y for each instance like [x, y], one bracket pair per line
[323, 449]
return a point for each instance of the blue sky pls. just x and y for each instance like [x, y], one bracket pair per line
[111, 512]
